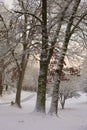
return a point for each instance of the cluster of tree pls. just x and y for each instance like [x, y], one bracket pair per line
[41, 27]
[68, 87]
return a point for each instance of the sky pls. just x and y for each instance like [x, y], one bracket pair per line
[8, 3]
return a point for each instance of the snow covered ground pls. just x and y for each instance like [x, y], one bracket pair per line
[74, 117]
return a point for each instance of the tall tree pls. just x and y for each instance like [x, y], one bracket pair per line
[1, 75]
[42, 80]
[47, 52]
[28, 30]
[68, 34]
[23, 64]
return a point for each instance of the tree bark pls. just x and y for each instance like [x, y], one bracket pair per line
[42, 79]
[46, 54]
[1, 76]
[1, 86]
[55, 95]
[19, 87]
[63, 102]
[21, 78]
[60, 21]
[22, 66]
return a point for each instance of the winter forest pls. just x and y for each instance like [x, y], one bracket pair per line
[43, 64]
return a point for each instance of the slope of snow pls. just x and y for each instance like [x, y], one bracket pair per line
[74, 117]
[10, 96]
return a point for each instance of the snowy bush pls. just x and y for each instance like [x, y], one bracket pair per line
[68, 89]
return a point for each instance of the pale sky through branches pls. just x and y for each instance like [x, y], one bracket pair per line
[8, 3]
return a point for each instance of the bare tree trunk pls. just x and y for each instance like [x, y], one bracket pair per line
[21, 72]
[23, 65]
[1, 76]
[1, 86]
[19, 88]
[21, 78]
[63, 104]
[62, 101]
[45, 60]
[61, 15]
[54, 103]
[42, 80]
